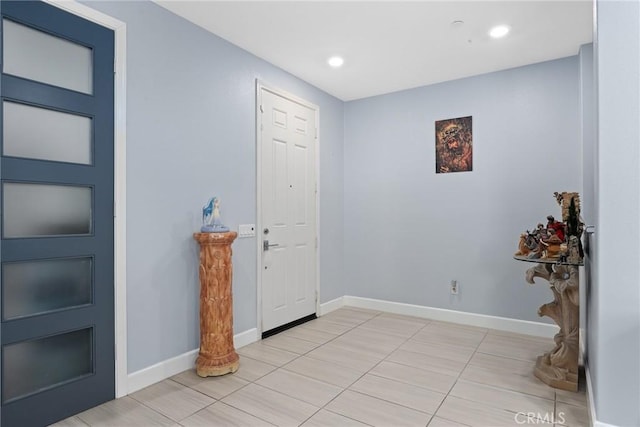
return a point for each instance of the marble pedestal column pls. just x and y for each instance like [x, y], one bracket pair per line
[217, 355]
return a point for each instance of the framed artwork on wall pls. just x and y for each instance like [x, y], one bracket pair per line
[454, 145]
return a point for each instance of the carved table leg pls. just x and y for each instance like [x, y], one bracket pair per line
[559, 367]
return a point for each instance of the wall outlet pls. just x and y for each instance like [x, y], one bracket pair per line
[454, 287]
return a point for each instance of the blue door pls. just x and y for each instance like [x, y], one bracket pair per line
[56, 197]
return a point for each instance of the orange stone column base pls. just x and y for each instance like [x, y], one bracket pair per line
[217, 355]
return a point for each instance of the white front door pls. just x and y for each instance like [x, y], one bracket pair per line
[287, 141]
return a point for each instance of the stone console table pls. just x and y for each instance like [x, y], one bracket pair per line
[217, 355]
[559, 367]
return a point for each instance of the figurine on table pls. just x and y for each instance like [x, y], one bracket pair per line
[552, 245]
[557, 226]
[211, 222]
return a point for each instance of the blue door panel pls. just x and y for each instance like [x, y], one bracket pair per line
[42, 94]
[62, 400]
[27, 170]
[54, 247]
[48, 324]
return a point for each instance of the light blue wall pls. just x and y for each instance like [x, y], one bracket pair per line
[614, 357]
[190, 135]
[410, 231]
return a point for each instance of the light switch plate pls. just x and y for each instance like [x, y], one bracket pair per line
[246, 230]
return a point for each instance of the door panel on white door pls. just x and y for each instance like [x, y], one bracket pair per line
[279, 118]
[288, 209]
[300, 185]
[278, 276]
[301, 125]
[301, 267]
[280, 187]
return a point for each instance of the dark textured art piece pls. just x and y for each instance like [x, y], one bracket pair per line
[454, 145]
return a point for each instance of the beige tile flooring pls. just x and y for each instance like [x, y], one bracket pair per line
[357, 367]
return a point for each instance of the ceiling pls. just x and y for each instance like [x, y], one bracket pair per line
[389, 46]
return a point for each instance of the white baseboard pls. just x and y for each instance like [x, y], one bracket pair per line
[160, 371]
[245, 338]
[591, 403]
[170, 367]
[481, 320]
[329, 306]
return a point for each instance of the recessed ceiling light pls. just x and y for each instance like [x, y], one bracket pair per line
[336, 61]
[499, 31]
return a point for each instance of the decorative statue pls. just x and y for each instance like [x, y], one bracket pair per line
[523, 247]
[552, 245]
[529, 246]
[557, 226]
[211, 222]
[559, 240]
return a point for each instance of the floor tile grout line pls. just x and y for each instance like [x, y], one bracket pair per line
[377, 364]
[231, 406]
[404, 382]
[291, 351]
[160, 413]
[504, 357]
[487, 385]
[331, 340]
[270, 389]
[457, 377]
[378, 398]
[342, 415]
[299, 356]
[297, 338]
[509, 390]
[429, 322]
[449, 419]
[460, 373]
[216, 400]
[360, 377]
[343, 388]
[242, 410]
[426, 369]
[350, 330]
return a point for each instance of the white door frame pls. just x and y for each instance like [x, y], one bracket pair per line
[260, 85]
[120, 176]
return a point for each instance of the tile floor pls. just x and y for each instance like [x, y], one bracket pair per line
[357, 367]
